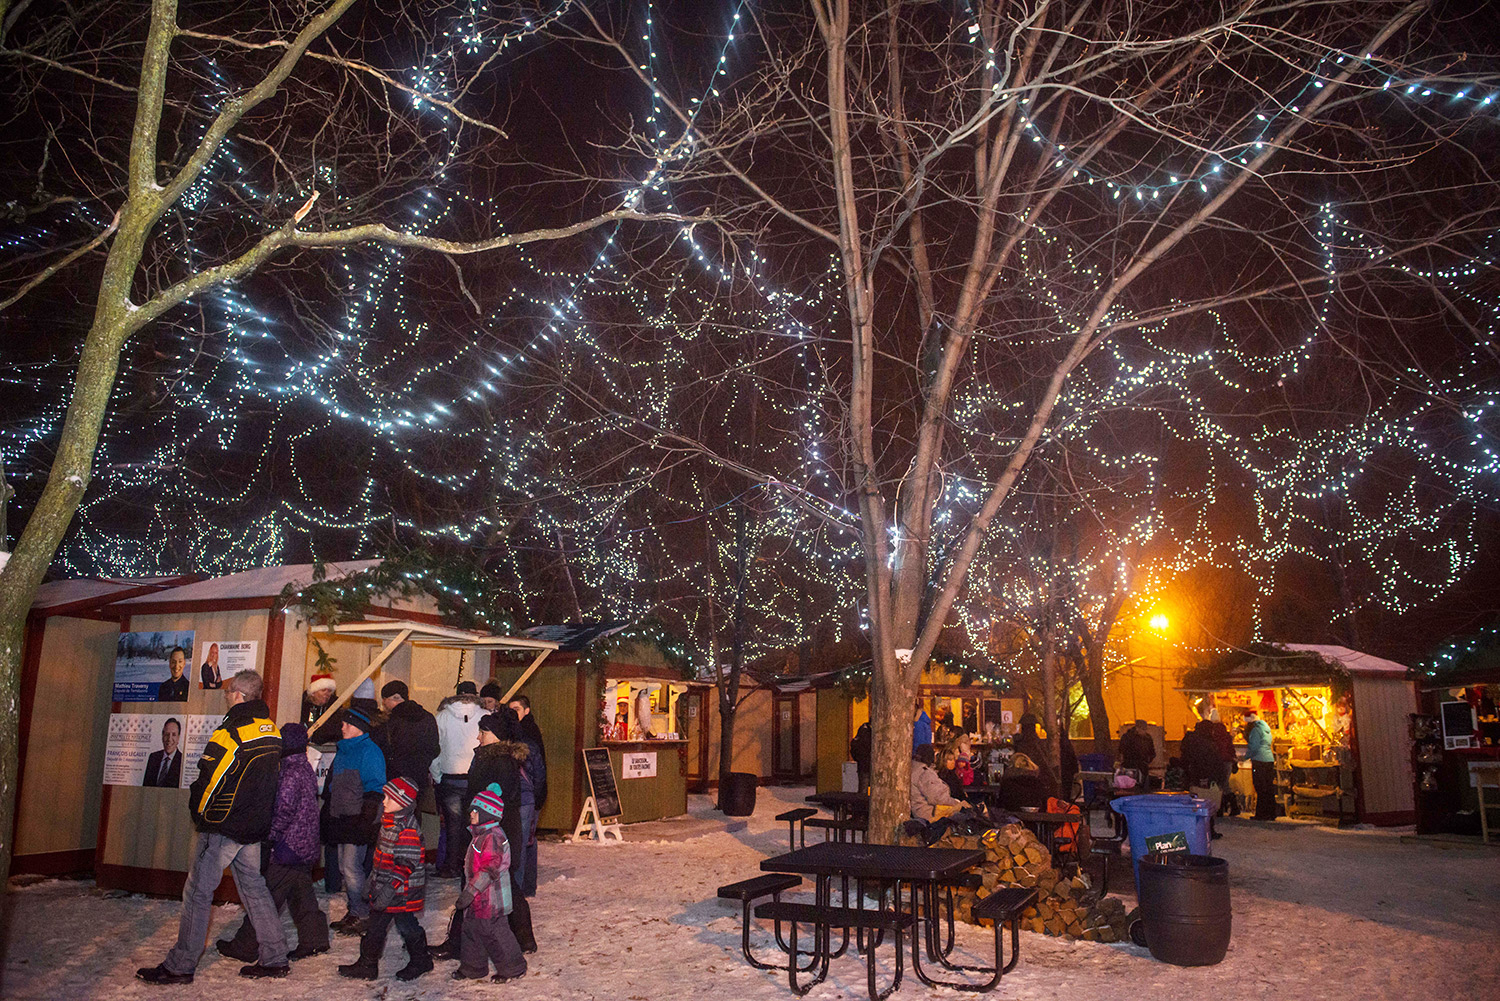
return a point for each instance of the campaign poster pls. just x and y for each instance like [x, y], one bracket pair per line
[194, 740]
[153, 666]
[132, 737]
[158, 750]
[223, 659]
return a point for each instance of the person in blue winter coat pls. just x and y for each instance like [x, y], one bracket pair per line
[1262, 765]
[921, 729]
[351, 812]
[294, 852]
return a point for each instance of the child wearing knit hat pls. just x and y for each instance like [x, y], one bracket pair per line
[397, 888]
[487, 936]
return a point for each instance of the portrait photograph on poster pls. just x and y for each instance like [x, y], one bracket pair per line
[153, 666]
[156, 750]
[223, 659]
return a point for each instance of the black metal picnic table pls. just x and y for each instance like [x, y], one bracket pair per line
[843, 804]
[922, 869]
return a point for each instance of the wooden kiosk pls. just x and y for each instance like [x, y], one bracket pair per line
[575, 704]
[143, 835]
[977, 707]
[1329, 764]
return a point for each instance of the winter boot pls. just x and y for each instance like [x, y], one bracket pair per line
[360, 970]
[418, 961]
[415, 968]
[226, 947]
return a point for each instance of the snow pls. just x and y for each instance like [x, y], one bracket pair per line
[1354, 661]
[262, 582]
[97, 589]
[1319, 914]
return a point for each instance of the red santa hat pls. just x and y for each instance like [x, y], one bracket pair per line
[320, 682]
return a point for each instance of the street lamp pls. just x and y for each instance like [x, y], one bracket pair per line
[1159, 623]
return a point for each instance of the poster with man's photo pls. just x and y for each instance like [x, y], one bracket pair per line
[223, 659]
[155, 750]
[153, 666]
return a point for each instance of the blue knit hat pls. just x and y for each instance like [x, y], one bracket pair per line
[357, 717]
[490, 802]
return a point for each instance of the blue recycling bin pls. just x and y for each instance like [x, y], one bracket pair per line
[1163, 815]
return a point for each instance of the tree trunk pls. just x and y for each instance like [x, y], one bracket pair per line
[1092, 683]
[12, 633]
[23, 572]
[892, 695]
[729, 693]
[1049, 706]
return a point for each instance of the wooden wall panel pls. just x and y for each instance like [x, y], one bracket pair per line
[833, 736]
[151, 828]
[554, 695]
[1381, 708]
[752, 734]
[59, 806]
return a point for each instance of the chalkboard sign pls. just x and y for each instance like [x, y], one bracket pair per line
[1458, 719]
[602, 782]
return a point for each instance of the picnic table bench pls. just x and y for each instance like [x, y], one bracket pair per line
[915, 875]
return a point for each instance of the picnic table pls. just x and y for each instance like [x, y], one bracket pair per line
[850, 810]
[843, 804]
[921, 871]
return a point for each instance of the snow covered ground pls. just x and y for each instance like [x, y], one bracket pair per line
[1318, 914]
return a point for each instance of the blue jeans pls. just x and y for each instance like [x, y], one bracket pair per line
[450, 798]
[519, 856]
[332, 881]
[212, 854]
[352, 869]
[528, 874]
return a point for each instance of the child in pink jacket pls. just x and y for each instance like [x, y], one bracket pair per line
[487, 936]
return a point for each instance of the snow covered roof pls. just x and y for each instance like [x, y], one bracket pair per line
[262, 582]
[95, 590]
[1353, 661]
[1286, 664]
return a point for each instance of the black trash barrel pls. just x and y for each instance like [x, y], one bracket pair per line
[737, 798]
[1185, 908]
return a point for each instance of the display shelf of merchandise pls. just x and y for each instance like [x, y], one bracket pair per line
[1311, 784]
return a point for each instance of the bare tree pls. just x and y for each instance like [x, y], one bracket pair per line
[1010, 193]
[143, 116]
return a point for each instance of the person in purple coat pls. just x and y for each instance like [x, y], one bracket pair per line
[295, 846]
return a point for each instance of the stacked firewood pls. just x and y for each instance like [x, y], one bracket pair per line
[1068, 907]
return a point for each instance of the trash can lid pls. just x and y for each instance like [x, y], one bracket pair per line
[1157, 802]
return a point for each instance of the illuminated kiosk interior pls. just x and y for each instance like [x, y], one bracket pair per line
[574, 697]
[1339, 721]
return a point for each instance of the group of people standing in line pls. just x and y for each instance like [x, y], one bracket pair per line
[257, 810]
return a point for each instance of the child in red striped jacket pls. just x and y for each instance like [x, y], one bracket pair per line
[398, 885]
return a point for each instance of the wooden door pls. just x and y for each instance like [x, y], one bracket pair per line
[786, 739]
[693, 721]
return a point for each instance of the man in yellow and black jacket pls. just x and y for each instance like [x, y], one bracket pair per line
[235, 791]
[232, 803]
